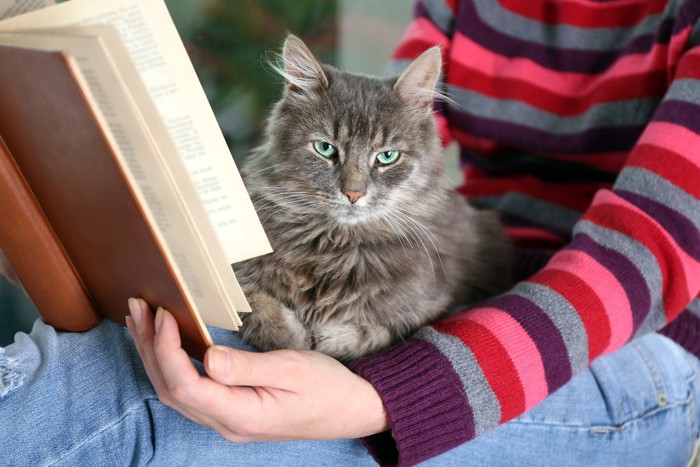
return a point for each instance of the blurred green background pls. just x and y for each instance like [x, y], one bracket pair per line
[230, 42]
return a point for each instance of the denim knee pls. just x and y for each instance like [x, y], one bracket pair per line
[11, 376]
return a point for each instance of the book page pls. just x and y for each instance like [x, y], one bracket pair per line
[152, 42]
[207, 280]
[10, 8]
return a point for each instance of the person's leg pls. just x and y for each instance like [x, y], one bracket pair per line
[84, 399]
[638, 406]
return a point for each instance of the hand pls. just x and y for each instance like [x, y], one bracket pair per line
[248, 396]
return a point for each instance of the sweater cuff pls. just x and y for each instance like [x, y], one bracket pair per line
[424, 400]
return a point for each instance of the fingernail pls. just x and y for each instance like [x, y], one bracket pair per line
[218, 361]
[159, 318]
[135, 310]
[129, 322]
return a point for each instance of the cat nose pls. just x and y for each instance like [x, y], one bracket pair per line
[353, 196]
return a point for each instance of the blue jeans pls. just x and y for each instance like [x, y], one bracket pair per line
[84, 399]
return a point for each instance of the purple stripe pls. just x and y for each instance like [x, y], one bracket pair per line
[421, 11]
[612, 139]
[688, 14]
[417, 381]
[685, 331]
[681, 113]
[625, 271]
[684, 232]
[547, 337]
[510, 161]
[569, 60]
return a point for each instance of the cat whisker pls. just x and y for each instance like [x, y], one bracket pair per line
[393, 227]
[259, 171]
[431, 237]
[415, 234]
[399, 235]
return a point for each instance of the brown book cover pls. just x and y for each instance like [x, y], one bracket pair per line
[72, 226]
[28, 240]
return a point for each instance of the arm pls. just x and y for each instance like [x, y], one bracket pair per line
[488, 364]
[633, 265]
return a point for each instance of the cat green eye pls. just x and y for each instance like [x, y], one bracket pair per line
[388, 157]
[325, 149]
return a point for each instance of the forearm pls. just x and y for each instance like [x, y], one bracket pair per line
[632, 266]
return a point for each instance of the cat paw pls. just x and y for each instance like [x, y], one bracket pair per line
[347, 341]
[274, 327]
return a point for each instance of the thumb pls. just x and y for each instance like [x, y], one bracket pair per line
[234, 367]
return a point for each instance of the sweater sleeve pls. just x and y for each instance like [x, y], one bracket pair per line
[631, 268]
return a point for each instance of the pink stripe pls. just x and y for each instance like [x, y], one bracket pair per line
[606, 287]
[423, 31]
[690, 266]
[472, 56]
[520, 348]
[675, 138]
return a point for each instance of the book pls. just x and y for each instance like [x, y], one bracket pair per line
[115, 179]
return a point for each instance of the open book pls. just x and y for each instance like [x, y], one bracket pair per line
[115, 180]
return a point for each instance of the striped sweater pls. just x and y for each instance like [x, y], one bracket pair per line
[579, 121]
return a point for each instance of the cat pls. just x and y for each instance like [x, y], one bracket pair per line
[370, 242]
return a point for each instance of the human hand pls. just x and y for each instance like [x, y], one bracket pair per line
[248, 396]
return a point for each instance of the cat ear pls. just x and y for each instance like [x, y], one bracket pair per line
[417, 82]
[301, 70]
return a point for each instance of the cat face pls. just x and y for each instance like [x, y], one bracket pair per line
[351, 146]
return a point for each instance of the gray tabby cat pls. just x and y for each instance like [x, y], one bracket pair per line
[370, 243]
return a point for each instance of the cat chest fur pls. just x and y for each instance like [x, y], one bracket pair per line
[324, 281]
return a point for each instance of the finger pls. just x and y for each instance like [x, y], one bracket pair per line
[200, 399]
[142, 330]
[181, 377]
[240, 368]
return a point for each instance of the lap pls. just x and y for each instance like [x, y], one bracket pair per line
[85, 399]
[637, 406]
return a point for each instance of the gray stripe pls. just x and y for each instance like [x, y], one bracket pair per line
[565, 318]
[483, 401]
[636, 112]
[694, 307]
[685, 89]
[643, 259]
[650, 185]
[440, 14]
[563, 36]
[532, 209]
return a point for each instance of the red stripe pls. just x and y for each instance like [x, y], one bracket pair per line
[469, 56]
[411, 49]
[530, 237]
[576, 197]
[586, 14]
[606, 161]
[420, 35]
[599, 90]
[669, 165]
[689, 66]
[586, 302]
[494, 361]
[643, 229]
